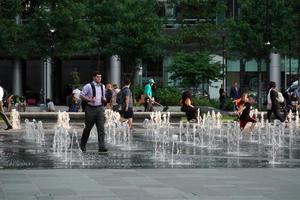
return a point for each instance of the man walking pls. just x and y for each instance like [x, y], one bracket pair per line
[127, 106]
[2, 114]
[148, 96]
[94, 94]
[275, 101]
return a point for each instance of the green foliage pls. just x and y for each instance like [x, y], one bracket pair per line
[137, 92]
[130, 28]
[194, 68]
[12, 40]
[168, 96]
[249, 33]
[57, 28]
[75, 78]
[205, 101]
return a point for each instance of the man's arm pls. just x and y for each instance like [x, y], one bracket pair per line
[84, 94]
[126, 102]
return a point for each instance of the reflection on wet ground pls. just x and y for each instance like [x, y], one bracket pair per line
[18, 152]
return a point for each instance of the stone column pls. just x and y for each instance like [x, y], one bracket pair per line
[17, 77]
[166, 62]
[275, 69]
[114, 75]
[47, 78]
[138, 73]
[17, 69]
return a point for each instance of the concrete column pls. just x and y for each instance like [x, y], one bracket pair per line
[47, 78]
[275, 69]
[166, 62]
[17, 77]
[139, 73]
[17, 69]
[115, 70]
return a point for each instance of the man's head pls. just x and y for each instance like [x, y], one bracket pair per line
[97, 77]
[151, 81]
[127, 82]
[109, 86]
[235, 84]
[115, 86]
[272, 84]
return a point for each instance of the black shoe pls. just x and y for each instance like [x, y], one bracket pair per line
[82, 148]
[102, 150]
[9, 127]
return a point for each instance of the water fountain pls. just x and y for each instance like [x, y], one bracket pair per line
[63, 119]
[15, 119]
[209, 142]
[34, 131]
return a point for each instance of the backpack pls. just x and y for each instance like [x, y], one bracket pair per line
[119, 99]
[280, 97]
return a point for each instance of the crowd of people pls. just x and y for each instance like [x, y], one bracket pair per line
[95, 97]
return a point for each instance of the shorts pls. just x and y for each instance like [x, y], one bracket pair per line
[243, 122]
[127, 114]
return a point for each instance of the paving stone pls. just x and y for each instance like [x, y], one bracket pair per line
[58, 191]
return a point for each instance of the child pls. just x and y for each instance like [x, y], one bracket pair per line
[244, 112]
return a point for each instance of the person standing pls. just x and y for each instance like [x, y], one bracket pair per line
[116, 90]
[235, 93]
[222, 97]
[149, 96]
[274, 103]
[94, 94]
[127, 105]
[2, 114]
[108, 95]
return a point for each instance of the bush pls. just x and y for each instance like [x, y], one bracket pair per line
[205, 101]
[168, 96]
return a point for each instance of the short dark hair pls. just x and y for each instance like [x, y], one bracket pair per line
[272, 84]
[127, 82]
[95, 73]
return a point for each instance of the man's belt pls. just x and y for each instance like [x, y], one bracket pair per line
[94, 106]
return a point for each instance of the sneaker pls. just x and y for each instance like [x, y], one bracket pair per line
[102, 150]
[82, 148]
[9, 127]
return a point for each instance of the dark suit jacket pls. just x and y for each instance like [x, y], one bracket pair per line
[235, 94]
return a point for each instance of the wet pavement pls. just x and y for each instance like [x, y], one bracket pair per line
[17, 152]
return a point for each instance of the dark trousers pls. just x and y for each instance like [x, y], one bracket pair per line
[277, 114]
[190, 112]
[94, 115]
[3, 116]
[222, 103]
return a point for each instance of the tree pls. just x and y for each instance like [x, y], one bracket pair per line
[129, 28]
[259, 23]
[194, 68]
[12, 40]
[57, 28]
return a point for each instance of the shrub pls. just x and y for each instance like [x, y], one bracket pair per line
[168, 96]
[205, 101]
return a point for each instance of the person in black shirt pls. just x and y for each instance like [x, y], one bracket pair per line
[187, 107]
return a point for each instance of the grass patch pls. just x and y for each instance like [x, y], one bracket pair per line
[228, 118]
